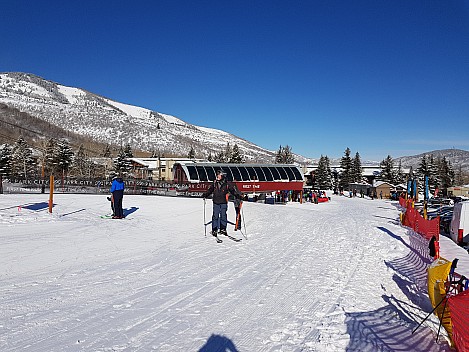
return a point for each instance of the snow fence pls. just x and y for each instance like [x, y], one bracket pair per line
[448, 291]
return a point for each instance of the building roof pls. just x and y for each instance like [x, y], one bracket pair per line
[200, 172]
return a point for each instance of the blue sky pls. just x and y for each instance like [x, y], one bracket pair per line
[378, 77]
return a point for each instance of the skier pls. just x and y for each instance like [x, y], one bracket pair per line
[117, 190]
[220, 188]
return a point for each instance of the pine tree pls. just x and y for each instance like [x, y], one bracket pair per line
[387, 170]
[284, 155]
[357, 171]
[64, 156]
[220, 157]
[128, 151]
[191, 154]
[5, 160]
[228, 152]
[121, 164]
[106, 151]
[81, 162]
[50, 157]
[346, 166]
[400, 178]
[423, 170]
[446, 174]
[236, 156]
[323, 174]
[22, 161]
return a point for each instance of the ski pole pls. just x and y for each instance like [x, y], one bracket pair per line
[205, 222]
[429, 314]
[244, 223]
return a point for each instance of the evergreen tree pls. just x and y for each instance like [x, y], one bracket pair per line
[236, 156]
[191, 154]
[121, 164]
[433, 175]
[424, 169]
[128, 151]
[400, 178]
[446, 174]
[323, 174]
[346, 166]
[50, 157]
[64, 156]
[22, 161]
[210, 157]
[81, 162]
[357, 171]
[387, 170]
[5, 160]
[220, 157]
[284, 155]
[228, 152]
[107, 151]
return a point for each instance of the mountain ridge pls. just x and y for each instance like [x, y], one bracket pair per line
[89, 118]
[110, 122]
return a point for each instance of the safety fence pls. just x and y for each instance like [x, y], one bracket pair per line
[448, 291]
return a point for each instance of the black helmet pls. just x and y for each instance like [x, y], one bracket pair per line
[221, 172]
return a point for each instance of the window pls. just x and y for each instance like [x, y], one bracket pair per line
[283, 174]
[236, 174]
[259, 172]
[297, 173]
[202, 173]
[192, 172]
[267, 173]
[290, 174]
[210, 173]
[227, 171]
[244, 173]
[275, 173]
[252, 173]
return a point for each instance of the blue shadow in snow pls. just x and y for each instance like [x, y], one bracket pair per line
[128, 211]
[218, 343]
[37, 206]
[389, 328]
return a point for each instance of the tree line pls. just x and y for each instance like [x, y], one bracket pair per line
[56, 157]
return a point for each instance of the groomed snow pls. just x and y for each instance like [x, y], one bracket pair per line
[339, 276]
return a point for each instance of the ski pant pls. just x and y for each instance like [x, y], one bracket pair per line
[219, 215]
[117, 198]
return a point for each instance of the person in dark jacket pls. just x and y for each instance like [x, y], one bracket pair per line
[117, 191]
[220, 189]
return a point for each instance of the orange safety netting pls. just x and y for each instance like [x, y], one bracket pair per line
[459, 306]
[428, 228]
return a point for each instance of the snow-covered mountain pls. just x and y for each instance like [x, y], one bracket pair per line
[108, 121]
[459, 158]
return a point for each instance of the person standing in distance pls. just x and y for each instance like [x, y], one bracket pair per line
[117, 191]
[220, 188]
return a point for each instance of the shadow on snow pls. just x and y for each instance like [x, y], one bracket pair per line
[218, 343]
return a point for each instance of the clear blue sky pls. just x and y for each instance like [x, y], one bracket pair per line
[379, 77]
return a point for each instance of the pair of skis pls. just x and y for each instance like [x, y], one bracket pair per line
[238, 219]
[219, 240]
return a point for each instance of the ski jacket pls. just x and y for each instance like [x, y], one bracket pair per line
[220, 188]
[117, 185]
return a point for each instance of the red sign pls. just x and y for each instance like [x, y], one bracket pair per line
[253, 186]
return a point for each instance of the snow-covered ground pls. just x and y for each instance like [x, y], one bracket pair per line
[339, 276]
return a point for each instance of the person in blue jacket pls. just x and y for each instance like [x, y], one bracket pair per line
[117, 191]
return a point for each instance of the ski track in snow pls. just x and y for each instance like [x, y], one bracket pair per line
[326, 277]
